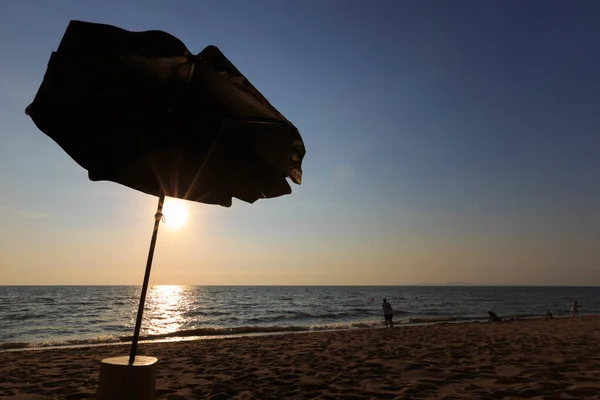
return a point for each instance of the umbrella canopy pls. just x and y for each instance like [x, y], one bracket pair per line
[137, 108]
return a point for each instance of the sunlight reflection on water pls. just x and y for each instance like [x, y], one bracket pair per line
[166, 306]
[73, 315]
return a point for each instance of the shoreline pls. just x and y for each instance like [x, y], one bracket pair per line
[529, 358]
[183, 337]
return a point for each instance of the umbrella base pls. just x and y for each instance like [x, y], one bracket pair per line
[121, 381]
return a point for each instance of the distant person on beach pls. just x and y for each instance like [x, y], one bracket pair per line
[549, 315]
[575, 309]
[388, 314]
[493, 317]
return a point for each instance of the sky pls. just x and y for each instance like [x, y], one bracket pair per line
[447, 141]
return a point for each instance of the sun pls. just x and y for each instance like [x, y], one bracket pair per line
[175, 212]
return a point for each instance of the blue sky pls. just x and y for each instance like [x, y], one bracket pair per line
[446, 141]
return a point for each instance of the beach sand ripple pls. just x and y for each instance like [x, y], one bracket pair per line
[528, 359]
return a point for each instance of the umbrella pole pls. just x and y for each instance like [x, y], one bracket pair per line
[138, 323]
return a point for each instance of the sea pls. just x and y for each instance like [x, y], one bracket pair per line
[49, 316]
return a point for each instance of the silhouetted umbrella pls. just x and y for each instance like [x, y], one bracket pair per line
[137, 108]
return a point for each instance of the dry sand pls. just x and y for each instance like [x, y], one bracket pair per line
[539, 359]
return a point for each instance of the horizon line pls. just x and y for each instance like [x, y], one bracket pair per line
[301, 285]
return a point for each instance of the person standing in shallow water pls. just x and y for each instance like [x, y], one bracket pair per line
[388, 313]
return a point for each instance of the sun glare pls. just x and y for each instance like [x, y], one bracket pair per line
[165, 308]
[175, 212]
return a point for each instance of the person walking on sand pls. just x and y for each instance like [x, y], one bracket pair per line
[575, 309]
[388, 313]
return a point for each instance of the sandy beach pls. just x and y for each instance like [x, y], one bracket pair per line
[535, 359]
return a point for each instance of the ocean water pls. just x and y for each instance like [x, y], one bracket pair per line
[39, 316]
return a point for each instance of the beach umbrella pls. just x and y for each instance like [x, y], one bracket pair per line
[139, 109]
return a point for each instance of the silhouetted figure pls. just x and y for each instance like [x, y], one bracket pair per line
[549, 315]
[575, 309]
[388, 314]
[493, 317]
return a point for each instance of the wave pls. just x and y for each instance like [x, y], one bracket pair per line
[292, 316]
[347, 325]
[330, 316]
[196, 333]
[463, 318]
[104, 339]
[426, 320]
[20, 317]
[214, 332]
[206, 313]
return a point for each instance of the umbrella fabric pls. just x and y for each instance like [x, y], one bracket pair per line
[139, 109]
